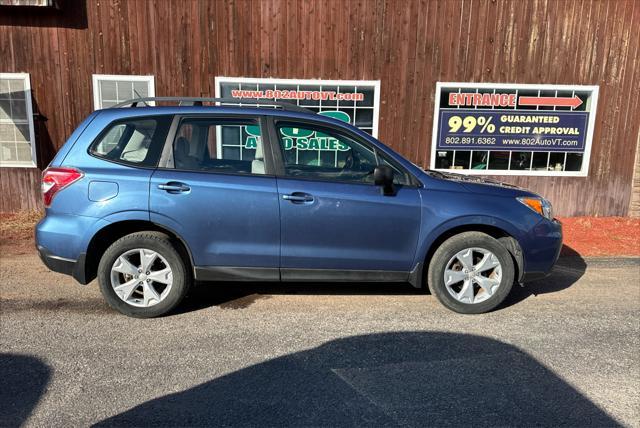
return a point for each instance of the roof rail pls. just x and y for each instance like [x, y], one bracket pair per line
[197, 101]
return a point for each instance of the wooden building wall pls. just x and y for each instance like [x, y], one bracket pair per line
[634, 205]
[408, 45]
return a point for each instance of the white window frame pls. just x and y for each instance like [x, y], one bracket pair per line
[96, 78]
[584, 168]
[319, 82]
[32, 139]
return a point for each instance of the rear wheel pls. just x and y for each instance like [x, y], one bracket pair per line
[142, 275]
[471, 273]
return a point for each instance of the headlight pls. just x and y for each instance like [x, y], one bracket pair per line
[539, 205]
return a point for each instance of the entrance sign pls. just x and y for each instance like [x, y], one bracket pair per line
[506, 129]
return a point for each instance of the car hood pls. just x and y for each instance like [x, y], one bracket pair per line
[476, 184]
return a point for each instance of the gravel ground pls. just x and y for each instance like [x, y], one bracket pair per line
[562, 351]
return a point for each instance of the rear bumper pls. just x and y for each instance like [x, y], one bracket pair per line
[62, 241]
[74, 268]
[55, 263]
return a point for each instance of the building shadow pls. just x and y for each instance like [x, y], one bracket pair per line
[238, 295]
[24, 380]
[391, 379]
[63, 14]
[45, 147]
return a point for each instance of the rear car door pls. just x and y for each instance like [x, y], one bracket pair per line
[335, 223]
[214, 187]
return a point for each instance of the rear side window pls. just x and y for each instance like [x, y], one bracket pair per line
[222, 145]
[133, 141]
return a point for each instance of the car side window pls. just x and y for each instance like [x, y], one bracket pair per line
[323, 154]
[219, 145]
[133, 141]
[399, 176]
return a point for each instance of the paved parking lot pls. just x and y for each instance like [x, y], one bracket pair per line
[563, 351]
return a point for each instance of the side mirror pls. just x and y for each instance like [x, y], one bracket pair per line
[383, 177]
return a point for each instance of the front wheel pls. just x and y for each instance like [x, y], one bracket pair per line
[142, 275]
[471, 273]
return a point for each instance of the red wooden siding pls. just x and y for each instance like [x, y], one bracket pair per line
[408, 45]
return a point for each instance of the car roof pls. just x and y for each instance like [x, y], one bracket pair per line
[126, 112]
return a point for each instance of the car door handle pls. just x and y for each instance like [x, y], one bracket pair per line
[174, 187]
[298, 197]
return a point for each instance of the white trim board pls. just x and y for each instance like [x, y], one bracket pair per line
[32, 140]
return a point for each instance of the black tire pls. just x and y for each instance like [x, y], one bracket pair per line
[161, 244]
[448, 249]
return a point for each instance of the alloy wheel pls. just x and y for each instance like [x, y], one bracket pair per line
[473, 275]
[141, 277]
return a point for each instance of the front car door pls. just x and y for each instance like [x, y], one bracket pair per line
[335, 223]
[214, 187]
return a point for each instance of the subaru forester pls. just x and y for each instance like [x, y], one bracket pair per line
[149, 199]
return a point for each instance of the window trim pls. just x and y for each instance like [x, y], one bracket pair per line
[97, 78]
[166, 157]
[32, 135]
[275, 136]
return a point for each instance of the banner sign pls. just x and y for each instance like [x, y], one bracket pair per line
[514, 118]
[475, 130]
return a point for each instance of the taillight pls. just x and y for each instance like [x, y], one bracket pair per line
[56, 179]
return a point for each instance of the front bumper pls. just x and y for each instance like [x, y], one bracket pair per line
[544, 250]
[74, 268]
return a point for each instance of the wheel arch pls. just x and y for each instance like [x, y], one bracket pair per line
[110, 233]
[505, 235]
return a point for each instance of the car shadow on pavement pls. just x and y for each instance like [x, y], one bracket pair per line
[23, 381]
[567, 271]
[389, 379]
[239, 295]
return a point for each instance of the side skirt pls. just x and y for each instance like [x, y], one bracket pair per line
[232, 273]
[340, 275]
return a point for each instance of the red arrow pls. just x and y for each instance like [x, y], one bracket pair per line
[574, 102]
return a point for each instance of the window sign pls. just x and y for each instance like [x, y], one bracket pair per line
[109, 90]
[17, 141]
[506, 129]
[352, 101]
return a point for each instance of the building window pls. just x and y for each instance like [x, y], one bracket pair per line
[17, 142]
[109, 90]
[357, 101]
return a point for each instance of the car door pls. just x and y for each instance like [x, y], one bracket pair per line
[335, 223]
[214, 187]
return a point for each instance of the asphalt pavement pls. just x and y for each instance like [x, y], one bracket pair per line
[561, 351]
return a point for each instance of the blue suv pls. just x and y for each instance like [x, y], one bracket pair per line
[150, 198]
